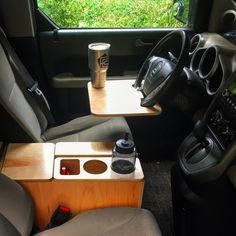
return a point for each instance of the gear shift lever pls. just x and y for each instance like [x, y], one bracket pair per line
[199, 132]
[200, 127]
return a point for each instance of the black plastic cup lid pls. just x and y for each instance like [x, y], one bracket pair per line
[125, 145]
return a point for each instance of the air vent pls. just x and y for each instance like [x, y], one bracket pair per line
[195, 43]
[210, 69]
[229, 18]
[209, 63]
[196, 58]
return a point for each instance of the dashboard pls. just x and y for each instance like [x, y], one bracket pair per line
[213, 61]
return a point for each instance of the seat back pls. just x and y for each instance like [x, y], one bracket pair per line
[15, 100]
[16, 209]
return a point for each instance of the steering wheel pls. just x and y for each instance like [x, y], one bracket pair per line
[160, 72]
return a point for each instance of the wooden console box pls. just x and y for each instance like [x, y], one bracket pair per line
[34, 167]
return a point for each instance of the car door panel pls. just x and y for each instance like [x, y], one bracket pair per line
[66, 50]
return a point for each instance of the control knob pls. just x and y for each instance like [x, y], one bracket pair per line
[226, 93]
[216, 117]
[230, 135]
[222, 126]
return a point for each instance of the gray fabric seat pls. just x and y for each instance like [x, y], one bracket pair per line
[25, 111]
[107, 222]
[88, 128]
[17, 217]
[16, 208]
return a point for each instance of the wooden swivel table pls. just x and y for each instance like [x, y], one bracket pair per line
[118, 98]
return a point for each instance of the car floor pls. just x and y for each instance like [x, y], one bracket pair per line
[157, 193]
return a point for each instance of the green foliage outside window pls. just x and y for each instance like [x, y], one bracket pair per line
[111, 13]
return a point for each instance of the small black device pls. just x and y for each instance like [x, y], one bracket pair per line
[61, 215]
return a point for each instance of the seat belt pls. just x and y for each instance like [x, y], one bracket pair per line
[23, 77]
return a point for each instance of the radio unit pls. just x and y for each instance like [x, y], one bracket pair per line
[223, 119]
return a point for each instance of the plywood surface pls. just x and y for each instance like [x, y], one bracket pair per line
[81, 196]
[83, 149]
[32, 161]
[108, 175]
[118, 98]
[32, 166]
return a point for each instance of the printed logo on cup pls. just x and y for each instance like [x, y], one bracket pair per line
[103, 61]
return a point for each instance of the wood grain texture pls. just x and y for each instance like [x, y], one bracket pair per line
[118, 98]
[83, 149]
[108, 175]
[33, 161]
[32, 166]
[80, 196]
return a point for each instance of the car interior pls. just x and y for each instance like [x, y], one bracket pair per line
[187, 150]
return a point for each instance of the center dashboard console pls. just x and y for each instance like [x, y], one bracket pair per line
[204, 163]
[223, 119]
[203, 197]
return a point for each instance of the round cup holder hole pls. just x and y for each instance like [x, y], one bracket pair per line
[95, 167]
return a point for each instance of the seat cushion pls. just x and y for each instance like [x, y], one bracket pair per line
[109, 222]
[16, 206]
[88, 129]
[6, 228]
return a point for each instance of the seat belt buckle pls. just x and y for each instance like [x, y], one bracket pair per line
[35, 89]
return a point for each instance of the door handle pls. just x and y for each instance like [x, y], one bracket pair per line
[140, 43]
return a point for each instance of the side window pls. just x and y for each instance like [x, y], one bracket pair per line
[116, 13]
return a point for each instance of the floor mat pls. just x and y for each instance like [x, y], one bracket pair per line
[157, 193]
